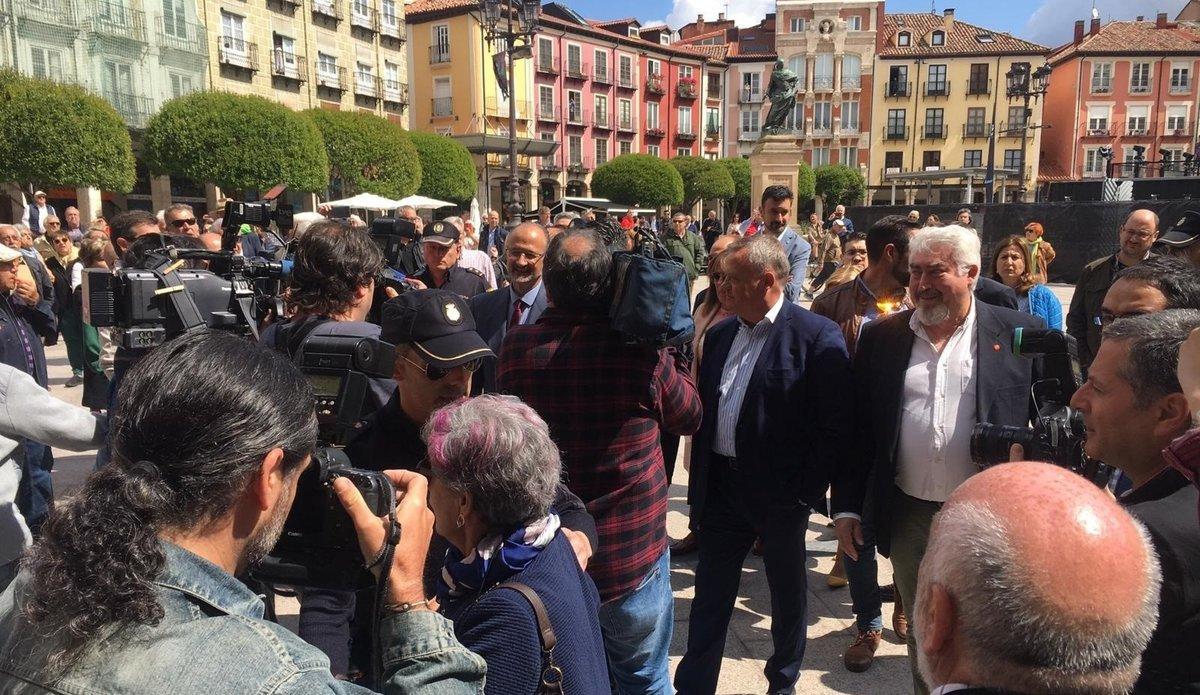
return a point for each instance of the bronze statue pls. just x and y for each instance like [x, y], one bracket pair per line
[782, 94]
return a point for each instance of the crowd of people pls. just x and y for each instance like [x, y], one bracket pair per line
[532, 445]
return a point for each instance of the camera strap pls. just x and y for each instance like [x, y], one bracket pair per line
[387, 554]
[176, 293]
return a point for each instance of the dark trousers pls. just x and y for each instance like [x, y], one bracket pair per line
[726, 532]
[35, 491]
[670, 451]
[826, 270]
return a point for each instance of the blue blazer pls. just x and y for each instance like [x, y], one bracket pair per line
[499, 625]
[492, 311]
[795, 418]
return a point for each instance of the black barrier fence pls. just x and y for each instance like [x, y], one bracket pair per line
[1080, 232]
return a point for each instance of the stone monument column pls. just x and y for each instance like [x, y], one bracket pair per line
[775, 160]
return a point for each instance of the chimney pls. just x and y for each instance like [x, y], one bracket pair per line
[948, 18]
[700, 24]
[1078, 32]
[720, 16]
[1094, 27]
[1160, 22]
[1140, 18]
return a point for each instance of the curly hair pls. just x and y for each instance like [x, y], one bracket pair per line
[196, 418]
[332, 261]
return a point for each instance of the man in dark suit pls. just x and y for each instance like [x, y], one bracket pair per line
[922, 379]
[987, 626]
[519, 304]
[776, 416]
[995, 293]
[492, 235]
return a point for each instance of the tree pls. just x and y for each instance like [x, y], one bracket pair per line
[806, 185]
[838, 184]
[368, 153]
[53, 134]
[703, 179]
[236, 142]
[447, 170]
[739, 171]
[638, 179]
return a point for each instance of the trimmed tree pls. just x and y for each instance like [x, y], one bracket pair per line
[739, 172]
[236, 142]
[703, 179]
[638, 179]
[806, 185]
[53, 134]
[838, 184]
[368, 153]
[447, 170]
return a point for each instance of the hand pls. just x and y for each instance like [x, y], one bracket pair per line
[27, 290]
[849, 535]
[581, 545]
[325, 209]
[416, 524]
[416, 284]
[1016, 452]
[390, 293]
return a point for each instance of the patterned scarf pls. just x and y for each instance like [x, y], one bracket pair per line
[495, 559]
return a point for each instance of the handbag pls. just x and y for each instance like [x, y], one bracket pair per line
[651, 298]
[551, 681]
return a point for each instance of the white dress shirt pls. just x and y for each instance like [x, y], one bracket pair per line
[739, 366]
[938, 413]
[949, 688]
[528, 298]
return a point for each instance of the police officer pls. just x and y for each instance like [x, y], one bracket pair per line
[1183, 239]
[441, 246]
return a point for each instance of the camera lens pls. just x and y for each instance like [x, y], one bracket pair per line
[990, 444]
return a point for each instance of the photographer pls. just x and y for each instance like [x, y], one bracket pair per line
[1133, 407]
[132, 586]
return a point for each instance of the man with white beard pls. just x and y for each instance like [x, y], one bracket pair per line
[923, 379]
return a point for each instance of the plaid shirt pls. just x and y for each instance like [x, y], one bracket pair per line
[604, 400]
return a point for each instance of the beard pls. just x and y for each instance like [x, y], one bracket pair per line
[264, 541]
[931, 315]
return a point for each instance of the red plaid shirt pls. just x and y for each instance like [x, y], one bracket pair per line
[605, 400]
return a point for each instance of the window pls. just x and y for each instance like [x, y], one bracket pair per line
[600, 104]
[972, 158]
[712, 120]
[683, 151]
[653, 67]
[1097, 123]
[545, 55]
[441, 43]
[181, 84]
[1016, 119]
[937, 38]
[233, 33]
[625, 114]
[1177, 120]
[1093, 163]
[985, 38]
[685, 71]
[854, 23]
[751, 86]
[601, 151]
[625, 65]
[1180, 78]
[283, 58]
[574, 107]
[601, 63]
[823, 116]
[1101, 78]
[651, 115]
[850, 116]
[750, 121]
[574, 59]
[545, 101]
[897, 85]
[823, 71]
[797, 25]
[1135, 119]
[979, 83]
[893, 161]
[904, 39]
[364, 75]
[820, 156]
[575, 149]
[174, 18]
[937, 80]
[934, 123]
[1139, 78]
[799, 65]
[931, 160]
[896, 124]
[625, 147]
[388, 10]
[685, 119]
[118, 84]
[653, 150]
[391, 77]
[327, 66]
[442, 99]
[46, 63]
[848, 156]
[714, 85]
[360, 8]
[851, 71]
[1013, 159]
[976, 127]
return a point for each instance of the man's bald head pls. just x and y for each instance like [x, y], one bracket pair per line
[211, 241]
[577, 270]
[1018, 589]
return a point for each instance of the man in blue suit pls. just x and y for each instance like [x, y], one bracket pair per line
[777, 204]
[519, 304]
[777, 411]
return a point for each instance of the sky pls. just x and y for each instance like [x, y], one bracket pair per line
[1048, 22]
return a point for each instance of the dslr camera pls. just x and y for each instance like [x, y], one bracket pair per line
[1057, 434]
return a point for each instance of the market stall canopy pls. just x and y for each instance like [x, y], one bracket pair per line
[478, 143]
[421, 202]
[573, 204]
[366, 201]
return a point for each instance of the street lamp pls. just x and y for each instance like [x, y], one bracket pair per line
[517, 40]
[1026, 84]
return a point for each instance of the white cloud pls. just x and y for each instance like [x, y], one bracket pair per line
[744, 12]
[1053, 23]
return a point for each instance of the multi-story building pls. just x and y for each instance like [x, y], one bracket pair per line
[1121, 85]
[939, 95]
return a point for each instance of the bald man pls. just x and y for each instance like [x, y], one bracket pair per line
[1019, 591]
[1137, 235]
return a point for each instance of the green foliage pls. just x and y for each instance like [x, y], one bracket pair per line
[59, 135]
[368, 153]
[739, 171]
[806, 185]
[447, 170]
[703, 179]
[638, 179]
[839, 184]
[236, 142]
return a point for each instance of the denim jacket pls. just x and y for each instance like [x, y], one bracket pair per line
[212, 639]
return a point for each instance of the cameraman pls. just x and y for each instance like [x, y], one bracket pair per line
[1133, 408]
[132, 587]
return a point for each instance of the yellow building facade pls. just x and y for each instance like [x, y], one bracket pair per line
[940, 93]
[335, 54]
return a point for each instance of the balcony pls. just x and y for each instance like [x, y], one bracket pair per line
[1177, 129]
[979, 88]
[712, 132]
[820, 130]
[549, 166]
[1097, 130]
[655, 85]
[686, 88]
[626, 81]
[546, 64]
[626, 125]
[1102, 87]
[895, 133]
[936, 89]
[750, 96]
[576, 116]
[116, 20]
[391, 27]
[897, 90]
[1136, 130]
[364, 18]
[848, 129]
[439, 54]
[288, 66]
[577, 70]
[135, 110]
[601, 121]
[1012, 130]
[54, 12]
[601, 75]
[579, 167]
[330, 9]
[182, 36]
[332, 78]
[933, 132]
[500, 109]
[238, 53]
[975, 130]
[688, 134]
[286, 5]
[547, 114]
[851, 83]
[395, 92]
[367, 85]
[442, 107]
[653, 130]
[749, 135]
[1139, 88]
[822, 83]
[714, 89]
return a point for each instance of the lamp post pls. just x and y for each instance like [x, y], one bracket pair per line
[1027, 85]
[517, 40]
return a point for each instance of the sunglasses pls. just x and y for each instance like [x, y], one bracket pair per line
[183, 223]
[435, 373]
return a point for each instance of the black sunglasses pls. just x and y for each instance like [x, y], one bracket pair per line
[435, 373]
[180, 223]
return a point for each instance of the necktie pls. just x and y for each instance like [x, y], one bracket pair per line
[518, 308]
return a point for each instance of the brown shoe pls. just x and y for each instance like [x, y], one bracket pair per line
[861, 654]
[837, 574]
[899, 620]
[686, 545]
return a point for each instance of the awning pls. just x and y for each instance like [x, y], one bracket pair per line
[477, 143]
[365, 201]
[941, 174]
[572, 204]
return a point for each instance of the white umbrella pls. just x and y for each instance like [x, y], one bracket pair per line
[476, 221]
[367, 201]
[422, 202]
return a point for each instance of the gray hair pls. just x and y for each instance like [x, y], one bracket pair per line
[454, 220]
[180, 207]
[568, 216]
[498, 449]
[763, 253]
[1154, 342]
[1010, 635]
[404, 209]
[962, 243]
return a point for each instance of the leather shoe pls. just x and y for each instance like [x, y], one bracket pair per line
[686, 545]
[837, 574]
[861, 654]
[900, 620]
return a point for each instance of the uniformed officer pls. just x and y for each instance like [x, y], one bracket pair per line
[442, 247]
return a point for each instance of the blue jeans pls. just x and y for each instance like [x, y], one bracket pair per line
[863, 575]
[35, 492]
[637, 633]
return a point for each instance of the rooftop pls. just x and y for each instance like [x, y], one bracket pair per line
[962, 38]
[1133, 38]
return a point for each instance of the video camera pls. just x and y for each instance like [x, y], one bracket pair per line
[1058, 434]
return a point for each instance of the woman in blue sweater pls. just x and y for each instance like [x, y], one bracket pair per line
[494, 472]
[1010, 267]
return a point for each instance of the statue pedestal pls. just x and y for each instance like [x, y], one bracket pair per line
[775, 160]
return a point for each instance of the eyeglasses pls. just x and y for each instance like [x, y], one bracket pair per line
[435, 373]
[184, 222]
[527, 255]
[54, 224]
